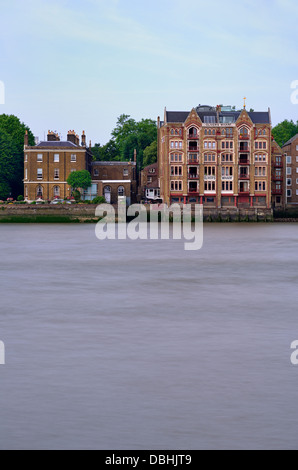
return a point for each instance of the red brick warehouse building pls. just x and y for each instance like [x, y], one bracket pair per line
[218, 157]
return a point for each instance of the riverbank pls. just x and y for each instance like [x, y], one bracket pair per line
[85, 213]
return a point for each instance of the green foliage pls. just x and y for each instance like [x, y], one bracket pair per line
[79, 179]
[99, 200]
[77, 195]
[284, 131]
[20, 198]
[106, 153]
[12, 132]
[150, 154]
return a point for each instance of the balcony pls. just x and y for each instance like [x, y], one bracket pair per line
[244, 137]
[277, 165]
[243, 161]
[277, 192]
[193, 148]
[193, 137]
[277, 178]
[192, 176]
[193, 162]
[243, 176]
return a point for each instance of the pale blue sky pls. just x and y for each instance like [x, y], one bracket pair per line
[72, 64]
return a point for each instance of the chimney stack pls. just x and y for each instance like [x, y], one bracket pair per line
[26, 139]
[83, 139]
[72, 137]
[90, 144]
[135, 155]
[53, 137]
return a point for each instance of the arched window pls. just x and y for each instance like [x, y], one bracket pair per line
[121, 191]
[172, 131]
[243, 131]
[264, 132]
[180, 131]
[209, 132]
[193, 132]
[213, 132]
[56, 191]
[176, 131]
[39, 191]
[206, 132]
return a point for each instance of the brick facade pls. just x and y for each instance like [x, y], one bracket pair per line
[48, 165]
[215, 156]
[290, 150]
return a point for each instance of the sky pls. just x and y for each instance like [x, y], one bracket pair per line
[73, 64]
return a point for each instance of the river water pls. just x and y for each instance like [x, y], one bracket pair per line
[142, 345]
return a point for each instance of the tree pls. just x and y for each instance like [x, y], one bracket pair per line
[79, 179]
[107, 152]
[150, 154]
[12, 132]
[130, 135]
[284, 131]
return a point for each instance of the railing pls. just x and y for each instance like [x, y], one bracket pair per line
[193, 149]
[244, 162]
[278, 178]
[277, 165]
[277, 191]
[193, 162]
[193, 177]
[244, 150]
[193, 190]
[243, 177]
[193, 136]
[244, 137]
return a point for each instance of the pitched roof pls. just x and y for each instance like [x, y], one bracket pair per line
[57, 144]
[181, 116]
[291, 140]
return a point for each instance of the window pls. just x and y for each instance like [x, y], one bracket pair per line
[26, 191]
[121, 191]
[209, 185]
[296, 192]
[73, 158]
[39, 173]
[227, 186]
[176, 185]
[227, 157]
[209, 119]
[210, 157]
[296, 181]
[243, 132]
[56, 158]
[296, 159]
[125, 172]
[56, 173]
[209, 170]
[289, 171]
[289, 160]
[56, 191]
[26, 174]
[39, 192]
[260, 186]
[26, 158]
[297, 148]
[289, 181]
[176, 170]
[39, 157]
[95, 172]
[149, 179]
[289, 193]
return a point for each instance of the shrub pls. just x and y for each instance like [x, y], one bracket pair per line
[20, 198]
[77, 195]
[33, 202]
[99, 200]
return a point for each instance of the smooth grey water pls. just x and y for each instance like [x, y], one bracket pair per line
[141, 345]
